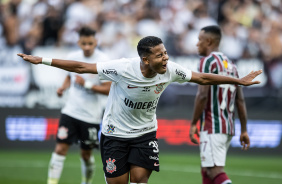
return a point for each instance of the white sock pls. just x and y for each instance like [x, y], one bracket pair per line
[55, 168]
[87, 170]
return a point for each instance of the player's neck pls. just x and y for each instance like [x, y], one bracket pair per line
[210, 50]
[146, 72]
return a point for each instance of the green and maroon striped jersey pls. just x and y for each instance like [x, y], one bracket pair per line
[218, 116]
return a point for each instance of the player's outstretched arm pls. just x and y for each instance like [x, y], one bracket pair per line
[72, 66]
[214, 79]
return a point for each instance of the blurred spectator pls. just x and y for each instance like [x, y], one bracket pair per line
[52, 25]
[251, 28]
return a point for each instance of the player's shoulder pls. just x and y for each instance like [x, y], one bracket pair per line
[130, 61]
[126, 60]
[173, 67]
[206, 61]
[171, 64]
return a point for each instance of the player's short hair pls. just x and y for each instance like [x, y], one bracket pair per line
[215, 30]
[86, 31]
[145, 44]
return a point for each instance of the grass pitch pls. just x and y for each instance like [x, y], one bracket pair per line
[30, 167]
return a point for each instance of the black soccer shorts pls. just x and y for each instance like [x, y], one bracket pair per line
[72, 130]
[119, 153]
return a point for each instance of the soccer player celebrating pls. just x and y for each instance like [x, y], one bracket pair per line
[129, 147]
[82, 113]
[214, 106]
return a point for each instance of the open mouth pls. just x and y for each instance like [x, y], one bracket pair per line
[164, 66]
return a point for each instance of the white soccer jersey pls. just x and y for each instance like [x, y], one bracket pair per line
[85, 104]
[133, 98]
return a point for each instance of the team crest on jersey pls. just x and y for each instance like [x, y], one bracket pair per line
[159, 88]
[111, 167]
[225, 64]
[111, 129]
[63, 132]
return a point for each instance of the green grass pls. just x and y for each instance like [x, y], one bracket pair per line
[30, 167]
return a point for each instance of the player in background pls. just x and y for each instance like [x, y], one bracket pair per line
[129, 147]
[82, 114]
[214, 106]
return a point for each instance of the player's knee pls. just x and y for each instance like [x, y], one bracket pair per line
[138, 179]
[86, 155]
[62, 149]
[214, 171]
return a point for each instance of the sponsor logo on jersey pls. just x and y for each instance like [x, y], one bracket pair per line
[131, 87]
[111, 129]
[63, 132]
[159, 88]
[111, 167]
[141, 105]
[110, 71]
[180, 73]
[140, 130]
[146, 89]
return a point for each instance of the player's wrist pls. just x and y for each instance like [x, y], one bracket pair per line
[244, 132]
[46, 61]
[88, 84]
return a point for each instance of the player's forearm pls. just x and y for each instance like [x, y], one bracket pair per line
[101, 89]
[199, 106]
[66, 83]
[242, 113]
[214, 79]
[74, 66]
[241, 108]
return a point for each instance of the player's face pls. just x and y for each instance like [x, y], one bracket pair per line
[202, 44]
[157, 60]
[87, 44]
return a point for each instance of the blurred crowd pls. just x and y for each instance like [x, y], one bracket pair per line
[251, 28]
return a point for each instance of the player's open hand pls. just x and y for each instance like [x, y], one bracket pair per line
[79, 80]
[245, 140]
[194, 130]
[248, 79]
[31, 59]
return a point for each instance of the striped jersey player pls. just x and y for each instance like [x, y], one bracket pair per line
[218, 116]
[214, 106]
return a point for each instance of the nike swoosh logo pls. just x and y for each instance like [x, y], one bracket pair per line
[155, 164]
[130, 87]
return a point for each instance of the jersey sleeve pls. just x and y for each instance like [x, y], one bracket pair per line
[104, 58]
[179, 73]
[111, 70]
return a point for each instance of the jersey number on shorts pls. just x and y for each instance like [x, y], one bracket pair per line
[155, 145]
[92, 134]
[203, 145]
